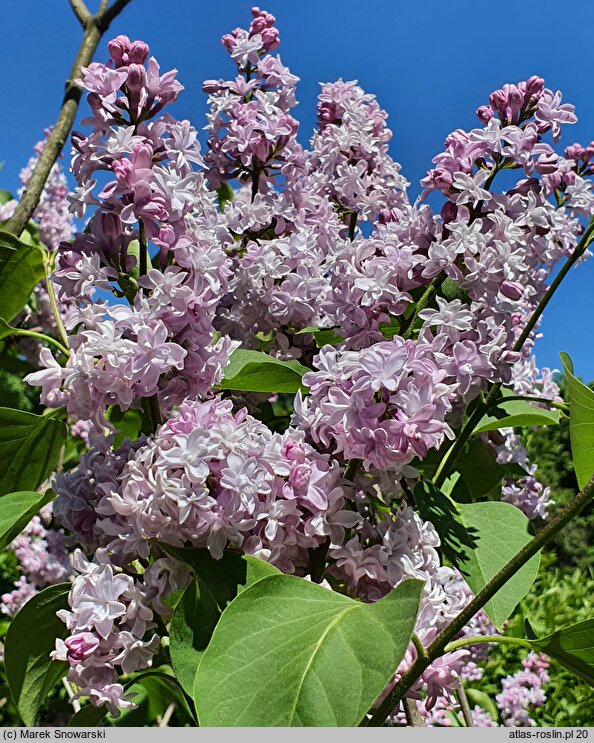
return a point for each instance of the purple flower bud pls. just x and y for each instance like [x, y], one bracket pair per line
[118, 50]
[534, 88]
[139, 52]
[212, 86]
[547, 163]
[136, 78]
[512, 290]
[484, 113]
[111, 225]
[81, 646]
[449, 212]
[229, 41]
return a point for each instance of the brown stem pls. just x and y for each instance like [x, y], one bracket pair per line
[413, 716]
[95, 27]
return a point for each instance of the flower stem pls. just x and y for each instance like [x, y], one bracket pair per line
[407, 328]
[352, 225]
[51, 293]
[142, 248]
[413, 716]
[464, 705]
[94, 27]
[534, 398]
[39, 337]
[352, 468]
[441, 643]
[419, 647]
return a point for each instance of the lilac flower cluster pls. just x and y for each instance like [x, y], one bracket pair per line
[110, 615]
[287, 252]
[212, 478]
[523, 691]
[441, 716]
[251, 135]
[162, 343]
[42, 558]
[350, 163]
[385, 404]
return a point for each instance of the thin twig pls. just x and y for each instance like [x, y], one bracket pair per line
[51, 294]
[108, 15]
[579, 251]
[81, 11]
[70, 691]
[94, 29]
[413, 716]
[464, 705]
[164, 721]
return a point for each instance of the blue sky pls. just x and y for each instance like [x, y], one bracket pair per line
[430, 63]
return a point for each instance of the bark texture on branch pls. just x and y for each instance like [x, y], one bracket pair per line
[94, 28]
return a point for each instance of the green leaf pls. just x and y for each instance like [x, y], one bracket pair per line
[134, 251]
[389, 331]
[435, 506]
[479, 539]
[498, 532]
[16, 510]
[581, 424]
[322, 336]
[5, 196]
[29, 448]
[572, 647]
[224, 195]
[476, 696]
[5, 330]
[516, 413]
[21, 269]
[31, 637]
[480, 475]
[128, 424]
[88, 716]
[253, 371]
[216, 584]
[154, 692]
[288, 652]
[451, 290]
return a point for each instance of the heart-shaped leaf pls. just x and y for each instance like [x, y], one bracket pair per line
[287, 652]
[322, 336]
[581, 424]
[478, 475]
[31, 637]
[446, 516]
[216, 584]
[254, 371]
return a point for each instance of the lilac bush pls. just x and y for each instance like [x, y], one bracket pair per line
[268, 351]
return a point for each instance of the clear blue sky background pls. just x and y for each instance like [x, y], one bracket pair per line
[430, 63]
